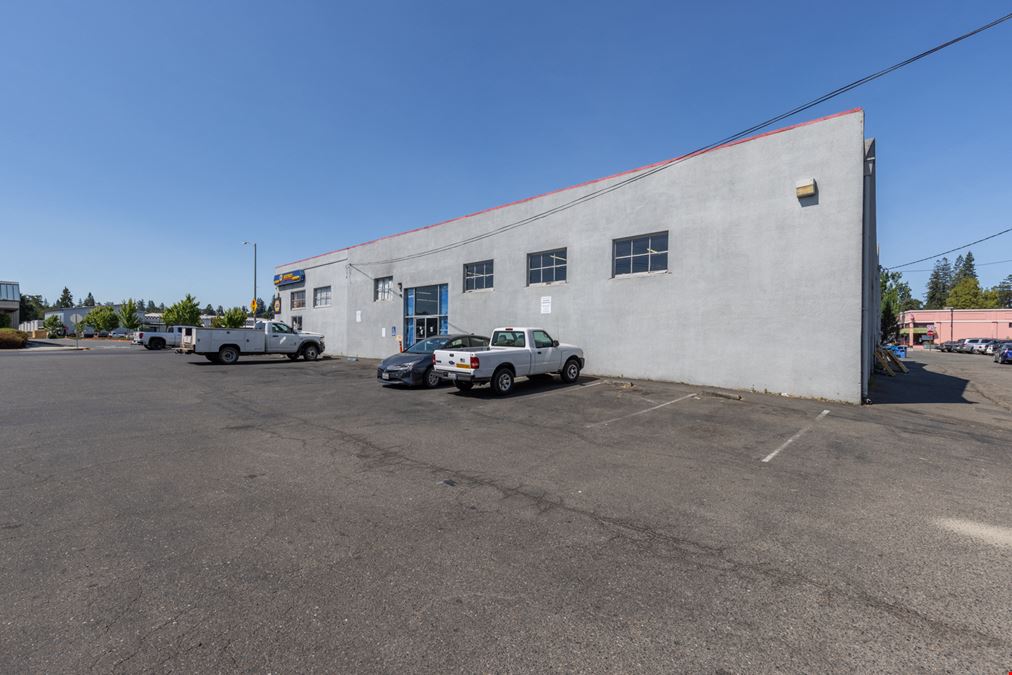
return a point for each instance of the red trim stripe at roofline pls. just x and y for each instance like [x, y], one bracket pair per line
[583, 184]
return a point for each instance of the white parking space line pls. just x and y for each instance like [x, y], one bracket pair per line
[795, 437]
[643, 412]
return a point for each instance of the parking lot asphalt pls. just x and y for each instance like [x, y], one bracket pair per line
[161, 512]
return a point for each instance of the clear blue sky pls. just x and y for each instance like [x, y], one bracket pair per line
[141, 142]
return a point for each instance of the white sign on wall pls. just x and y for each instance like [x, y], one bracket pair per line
[546, 304]
[383, 331]
[358, 316]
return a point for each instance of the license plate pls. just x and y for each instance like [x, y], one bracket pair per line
[463, 365]
[386, 376]
[453, 376]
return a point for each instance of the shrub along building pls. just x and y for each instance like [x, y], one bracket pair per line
[709, 269]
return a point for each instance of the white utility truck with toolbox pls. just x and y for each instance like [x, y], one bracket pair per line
[225, 345]
[512, 353]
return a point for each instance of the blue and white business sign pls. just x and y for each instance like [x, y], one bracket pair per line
[288, 278]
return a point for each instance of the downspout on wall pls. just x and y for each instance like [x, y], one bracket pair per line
[872, 292]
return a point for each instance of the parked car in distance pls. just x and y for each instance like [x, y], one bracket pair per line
[948, 345]
[970, 344]
[120, 332]
[981, 346]
[1003, 353]
[511, 353]
[413, 366]
[225, 345]
[159, 339]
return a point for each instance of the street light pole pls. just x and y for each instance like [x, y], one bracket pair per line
[952, 335]
[246, 243]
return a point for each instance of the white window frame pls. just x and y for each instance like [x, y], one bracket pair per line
[319, 291]
[291, 299]
[383, 289]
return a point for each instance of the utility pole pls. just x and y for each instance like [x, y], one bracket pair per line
[952, 335]
[253, 304]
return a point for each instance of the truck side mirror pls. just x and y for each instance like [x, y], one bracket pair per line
[555, 343]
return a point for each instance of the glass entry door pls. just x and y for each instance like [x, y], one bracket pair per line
[425, 312]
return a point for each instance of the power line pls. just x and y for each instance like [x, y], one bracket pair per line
[729, 139]
[976, 264]
[951, 250]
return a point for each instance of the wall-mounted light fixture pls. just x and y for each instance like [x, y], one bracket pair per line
[806, 187]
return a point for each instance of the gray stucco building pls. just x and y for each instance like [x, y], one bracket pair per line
[749, 266]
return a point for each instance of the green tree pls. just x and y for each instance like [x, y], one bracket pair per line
[66, 298]
[208, 309]
[990, 299]
[186, 312]
[32, 307]
[898, 291]
[969, 268]
[89, 301]
[1004, 290]
[152, 307]
[102, 317]
[220, 310]
[232, 318]
[5, 320]
[939, 284]
[54, 325]
[965, 294]
[963, 269]
[261, 308]
[128, 315]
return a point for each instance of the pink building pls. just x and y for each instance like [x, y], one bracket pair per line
[940, 325]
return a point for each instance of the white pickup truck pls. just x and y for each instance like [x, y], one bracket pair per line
[159, 339]
[512, 353]
[224, 345]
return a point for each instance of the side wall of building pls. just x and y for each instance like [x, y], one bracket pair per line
[763, 291]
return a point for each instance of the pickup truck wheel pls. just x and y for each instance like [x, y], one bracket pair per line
[310, 352]
[464, 386]
[502, 381]
[571, 371]
[431, 378]
[157, 343]
[228, 355]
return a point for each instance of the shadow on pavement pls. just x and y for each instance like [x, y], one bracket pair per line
[524, 387]
[920, 385]
[245, 362]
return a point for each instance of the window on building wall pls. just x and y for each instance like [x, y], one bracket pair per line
[297, 322]
[383, 288]
[547, 267]
[298, 299]
[636, 255]
[321, 296]
[478, 276]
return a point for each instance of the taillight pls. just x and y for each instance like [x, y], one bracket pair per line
[474, 362]
[140, 336]
[433, 358]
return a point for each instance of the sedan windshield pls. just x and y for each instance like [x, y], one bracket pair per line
[427, 346]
